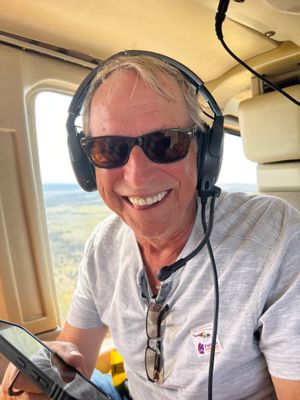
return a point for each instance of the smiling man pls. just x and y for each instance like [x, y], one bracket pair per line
[141, 124]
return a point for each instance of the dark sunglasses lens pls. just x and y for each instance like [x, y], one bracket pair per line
[152, 320]
[108, 152]
[152, 364]
[165, 147]
[161, 147]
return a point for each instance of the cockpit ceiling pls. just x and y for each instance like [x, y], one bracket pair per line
[183, 29]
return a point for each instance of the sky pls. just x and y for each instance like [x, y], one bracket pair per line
[51, 110]
[51, 114]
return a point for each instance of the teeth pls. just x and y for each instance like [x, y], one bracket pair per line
[148, 201]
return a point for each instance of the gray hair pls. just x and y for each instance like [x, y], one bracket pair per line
[152, 71]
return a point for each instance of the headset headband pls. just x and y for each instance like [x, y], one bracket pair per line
[210, 145]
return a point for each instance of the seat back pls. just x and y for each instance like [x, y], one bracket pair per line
[270, 130]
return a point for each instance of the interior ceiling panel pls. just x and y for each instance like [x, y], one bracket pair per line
[282, 17]
[183, 29]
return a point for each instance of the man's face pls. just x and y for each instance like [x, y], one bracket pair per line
[156, 200]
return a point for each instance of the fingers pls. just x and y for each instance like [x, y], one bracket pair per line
[25, 384]
[69, 353]
[30, 396]
[25, 396]
[66, 372]
[20, 382]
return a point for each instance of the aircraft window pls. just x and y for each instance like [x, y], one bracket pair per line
[71, 212]
[238, 174]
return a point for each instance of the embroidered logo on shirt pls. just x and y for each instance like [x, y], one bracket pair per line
[202, 338]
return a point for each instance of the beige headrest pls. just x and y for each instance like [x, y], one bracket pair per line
[279, 177]
[270, 127]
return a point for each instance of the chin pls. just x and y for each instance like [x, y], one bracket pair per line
[151, 233]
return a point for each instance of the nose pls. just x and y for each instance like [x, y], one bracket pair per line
[138, 170]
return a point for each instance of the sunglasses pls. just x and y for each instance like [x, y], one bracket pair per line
[153, 352]
[164, 147]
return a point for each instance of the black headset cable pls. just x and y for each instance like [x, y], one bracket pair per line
[219, 19]
[216, 308]
[165, 272]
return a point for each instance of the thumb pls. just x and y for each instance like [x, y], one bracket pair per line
[75, 359]
[68, 352]
[62, 365]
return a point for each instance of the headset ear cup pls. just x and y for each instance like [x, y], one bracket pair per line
[210, 151]
[202, 143]
[83, 169]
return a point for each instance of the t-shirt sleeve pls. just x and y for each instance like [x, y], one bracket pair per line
[280, 319]
[83, 312]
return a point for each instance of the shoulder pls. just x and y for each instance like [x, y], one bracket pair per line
[247, 203]
[259, 206]
[111, 242]
[265, 218]
[109, 234]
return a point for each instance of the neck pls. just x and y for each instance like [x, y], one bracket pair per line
[157, 254]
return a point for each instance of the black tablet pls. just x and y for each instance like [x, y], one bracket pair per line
[44, 367]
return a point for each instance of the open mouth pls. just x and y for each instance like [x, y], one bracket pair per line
[147, 201]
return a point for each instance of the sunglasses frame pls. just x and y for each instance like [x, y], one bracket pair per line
[138, 141]
[157, 338]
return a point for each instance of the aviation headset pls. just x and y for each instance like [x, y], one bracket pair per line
[210, 141]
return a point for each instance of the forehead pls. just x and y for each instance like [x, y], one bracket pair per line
[124, 98]
[131, 83]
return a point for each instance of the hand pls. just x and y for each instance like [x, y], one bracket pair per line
[21, 383]
[68, 351]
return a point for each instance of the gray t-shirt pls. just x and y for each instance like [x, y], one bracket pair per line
[255, 241]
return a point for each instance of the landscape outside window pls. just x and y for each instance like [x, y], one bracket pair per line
[72, 213]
